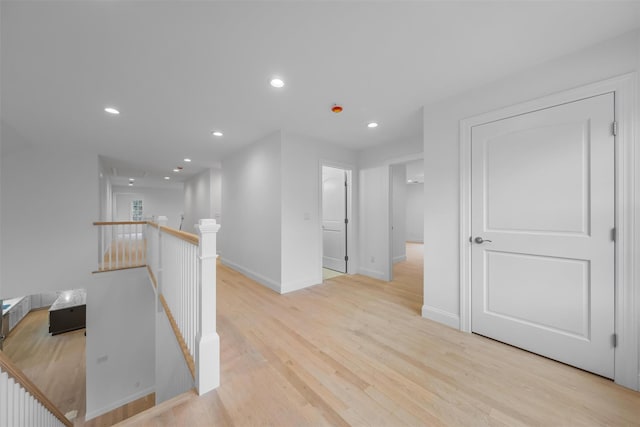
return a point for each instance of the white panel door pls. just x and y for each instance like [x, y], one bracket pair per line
[334, 213]
[543, 202]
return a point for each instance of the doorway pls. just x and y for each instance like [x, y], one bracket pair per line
[406, 217]
[336, 214]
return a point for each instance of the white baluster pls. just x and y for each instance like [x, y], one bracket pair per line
[110, 247]
[4, 399]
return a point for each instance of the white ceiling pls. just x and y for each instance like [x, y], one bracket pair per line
[178, 69]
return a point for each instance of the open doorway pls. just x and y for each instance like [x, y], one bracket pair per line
[336, 214]
[407, 225]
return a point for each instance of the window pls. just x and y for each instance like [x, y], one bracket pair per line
[136, 210]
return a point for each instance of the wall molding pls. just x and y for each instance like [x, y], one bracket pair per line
[296, 285]
[119, 403]
[399, 258]
[372, 273]
[441, 316]
[265, 281]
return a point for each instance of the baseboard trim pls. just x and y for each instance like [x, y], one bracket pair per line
[399, 258]
[299, 284]
[441, 316]
[372, 273]
[115, 405]
[265, 281]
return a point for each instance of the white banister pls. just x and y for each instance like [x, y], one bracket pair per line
[208, 342]
[121, 245]
[22, 403]
[183, 267]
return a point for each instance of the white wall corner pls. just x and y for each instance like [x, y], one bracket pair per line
[441, 316]
[296, 285]
[372, 273]
[265, 281]
[137, 395]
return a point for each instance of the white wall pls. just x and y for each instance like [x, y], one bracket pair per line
[382, 154]
[105, 193]
[398, 212]
[374, 223]
[441, 150]
[251, 207]
[301, 208]
[120, 339]
[415, 212]
[155, 201]
[202, 198]
[271, 209]
[49, 204]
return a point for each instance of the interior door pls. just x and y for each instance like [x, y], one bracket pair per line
[334, 215]
[542, 219]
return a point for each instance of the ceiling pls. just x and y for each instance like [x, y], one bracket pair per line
[177, 70]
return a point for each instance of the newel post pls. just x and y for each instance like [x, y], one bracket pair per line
[207, 340]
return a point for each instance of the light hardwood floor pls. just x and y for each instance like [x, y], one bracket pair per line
[355, 351]
[56, 365]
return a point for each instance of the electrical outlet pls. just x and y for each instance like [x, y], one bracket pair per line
[102, 359]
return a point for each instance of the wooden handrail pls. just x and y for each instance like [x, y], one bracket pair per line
[19, 376]
[181, 342]
[118, 222]
[153, 224]
[191, 238]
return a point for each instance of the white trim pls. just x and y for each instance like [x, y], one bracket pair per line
[299, 284]
[372, 273]
[627, 299]
[399, 258]
[441, 316]
[119, 403]
[269, 283]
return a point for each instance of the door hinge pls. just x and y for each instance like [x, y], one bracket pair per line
[613, 234]
[614, 128]
[614, 340]
[346, 221]
[346, 258]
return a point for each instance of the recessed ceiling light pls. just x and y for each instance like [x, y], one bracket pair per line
[112, 110]
[176, 170]
[216, 133]
[131, 184]
[372, 125]
[277, 82]
[187, 160]
[131, 179]
[167, 177]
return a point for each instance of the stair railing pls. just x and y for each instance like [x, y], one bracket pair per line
[183, 268]
[21, 401]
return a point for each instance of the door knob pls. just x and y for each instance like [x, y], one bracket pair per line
[480, 240]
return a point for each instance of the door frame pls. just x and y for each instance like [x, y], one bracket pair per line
[627, 168]
[351, 267]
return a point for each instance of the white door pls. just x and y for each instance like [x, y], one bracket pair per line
[543, 202]
[334, 214]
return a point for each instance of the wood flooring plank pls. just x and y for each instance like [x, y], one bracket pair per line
[355, 351]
